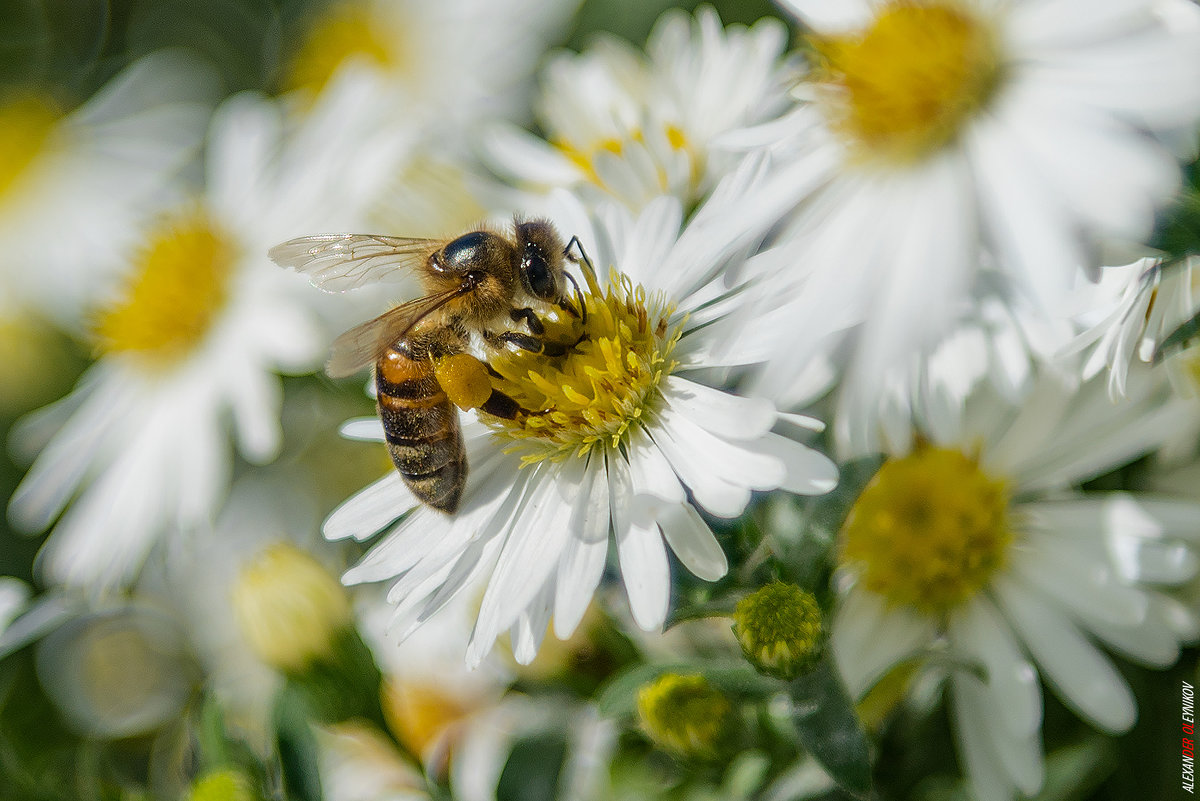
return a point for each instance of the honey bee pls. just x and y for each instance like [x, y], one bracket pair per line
[473, 284]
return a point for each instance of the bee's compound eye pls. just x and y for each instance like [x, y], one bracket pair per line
[538, 278]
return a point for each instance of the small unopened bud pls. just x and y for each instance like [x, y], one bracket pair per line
[222, 785]
[686, 715]
[289, 608]
[779, 629]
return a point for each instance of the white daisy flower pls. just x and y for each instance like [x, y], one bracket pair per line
[939, 137]
[192, 342]
[446, 64]
[972, 541]
[76, 187]
[633, 127]
[628, 438]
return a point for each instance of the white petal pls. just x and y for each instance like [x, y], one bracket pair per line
[582, 563]
[981, 632]
[370, 509]
[722, 413]
[530, 627]
[642, 555]
[809, 472]
[693, 542]
[989, 780]
[1080, 675]
[368, 429]
[536, 540]
[867, 638]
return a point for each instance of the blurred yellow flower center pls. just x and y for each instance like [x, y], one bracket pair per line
[907, 84]
[421, 713]
[289, 608]
[345, 31]
[177, 289]
[605, 383]
[26, 124]
[929, 530]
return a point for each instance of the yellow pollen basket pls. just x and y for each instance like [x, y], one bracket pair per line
[606, 383]
[177, 289]
[26, 125]
[906, 85]
[929, 531]
[345, 31]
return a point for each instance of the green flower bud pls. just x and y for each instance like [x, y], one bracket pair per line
[222, 785]
[780, 631]
[687, 716]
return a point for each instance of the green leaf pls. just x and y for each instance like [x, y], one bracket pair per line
[1178, 233]
[533, 768]
[826, 724]
[618, 697]
[343, 685]
[297, 746]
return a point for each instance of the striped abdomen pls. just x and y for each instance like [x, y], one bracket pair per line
[422, 430]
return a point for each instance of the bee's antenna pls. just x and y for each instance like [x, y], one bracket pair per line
[589, 272]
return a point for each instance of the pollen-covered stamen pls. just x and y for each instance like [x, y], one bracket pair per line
[346, 31]
[26, 125]
[929, 531]
[908, 83]
[606, 382]
[175, 293]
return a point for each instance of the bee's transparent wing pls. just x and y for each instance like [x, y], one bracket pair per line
[337, 262]
[363, 344]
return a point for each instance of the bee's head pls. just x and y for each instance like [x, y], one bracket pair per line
[541, 260]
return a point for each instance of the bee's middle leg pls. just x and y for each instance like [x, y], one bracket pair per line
[526, 342]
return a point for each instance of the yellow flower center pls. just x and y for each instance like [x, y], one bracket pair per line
[345, 31]
[907, 84]
[176, 291]
[605, 383]
[929, 530]
[26, 125]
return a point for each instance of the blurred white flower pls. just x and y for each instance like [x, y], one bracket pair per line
[118, 672]
[1139, 305]
[77, 187]
[973, 540]
[440, 67]
[1000, 343]
[626, 434]
[938, 138]
[631, 127]
[192, 342]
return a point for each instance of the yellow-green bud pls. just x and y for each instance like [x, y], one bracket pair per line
[779, 628]
[289, 608]
[222, 785]
[686, 715]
